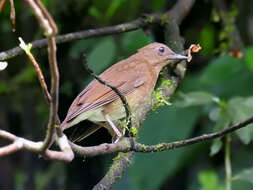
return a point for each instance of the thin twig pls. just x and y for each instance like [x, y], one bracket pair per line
[65, 155]
[9, 149]
[202, 138]
[50, 29]
[48, 17]
[7, 135]
[228, 168]
[53, 118]
[121, 96]
[109, 30]
[41, 17]
[13, 16]
[123, 145]
[40, 76]
[42, 147]
[2, 3]
[129, 144]
[180, 10]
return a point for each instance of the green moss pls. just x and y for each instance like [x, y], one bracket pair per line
[113, 170]
[229, 28]
[123, 125]
[127, 159]
[133, 131]
[166, 83]
[159, 147]
[142, 147]
[159, 100]
[164, 19]
[150, 20]
[117, 165]
[215, 17]
[117, 157]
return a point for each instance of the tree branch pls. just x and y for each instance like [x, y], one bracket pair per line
[180, 10]
[12, 15]
[123, 159]
[129, 144]
[117, 29]
[53, 118]
[119, 165]
[2, 3]
[165, 91]
[50, 29]
[66, 154]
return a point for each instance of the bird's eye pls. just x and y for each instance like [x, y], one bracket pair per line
[161, 49]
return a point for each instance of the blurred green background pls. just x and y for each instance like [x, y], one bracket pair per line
[216, 92]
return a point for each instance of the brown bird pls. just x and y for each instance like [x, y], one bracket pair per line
[135, 77]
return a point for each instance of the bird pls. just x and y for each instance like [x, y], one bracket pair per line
[135, 77]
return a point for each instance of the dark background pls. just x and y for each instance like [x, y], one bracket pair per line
[24, 112]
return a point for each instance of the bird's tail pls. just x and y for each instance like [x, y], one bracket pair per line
[85, 134]
[65, 125]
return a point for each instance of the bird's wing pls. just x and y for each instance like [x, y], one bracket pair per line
[96, 94]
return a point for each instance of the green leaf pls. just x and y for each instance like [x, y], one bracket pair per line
[67, 88]
[93, 11]
[27, 75]
[54, 172]
[19, 179]
[149, 170]
[224, 119]
[249, 57]
[81, 46]
[239, 109]
[114, 6]
[195, 99]
[245, 175]
[131, 45]
[216, 147]
[102, 55]
[158, 5]
[4, 88]
[207, 40]
[221, 69]
[224, 76]
[45, 3]
[209, 180]
[214, 114]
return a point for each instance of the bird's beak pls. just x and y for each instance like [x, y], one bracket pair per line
[177, 57]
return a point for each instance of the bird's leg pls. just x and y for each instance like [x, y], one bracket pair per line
[114, 128]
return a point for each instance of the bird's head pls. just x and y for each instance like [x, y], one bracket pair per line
[159, 55]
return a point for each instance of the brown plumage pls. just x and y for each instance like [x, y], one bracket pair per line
[135, 77]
